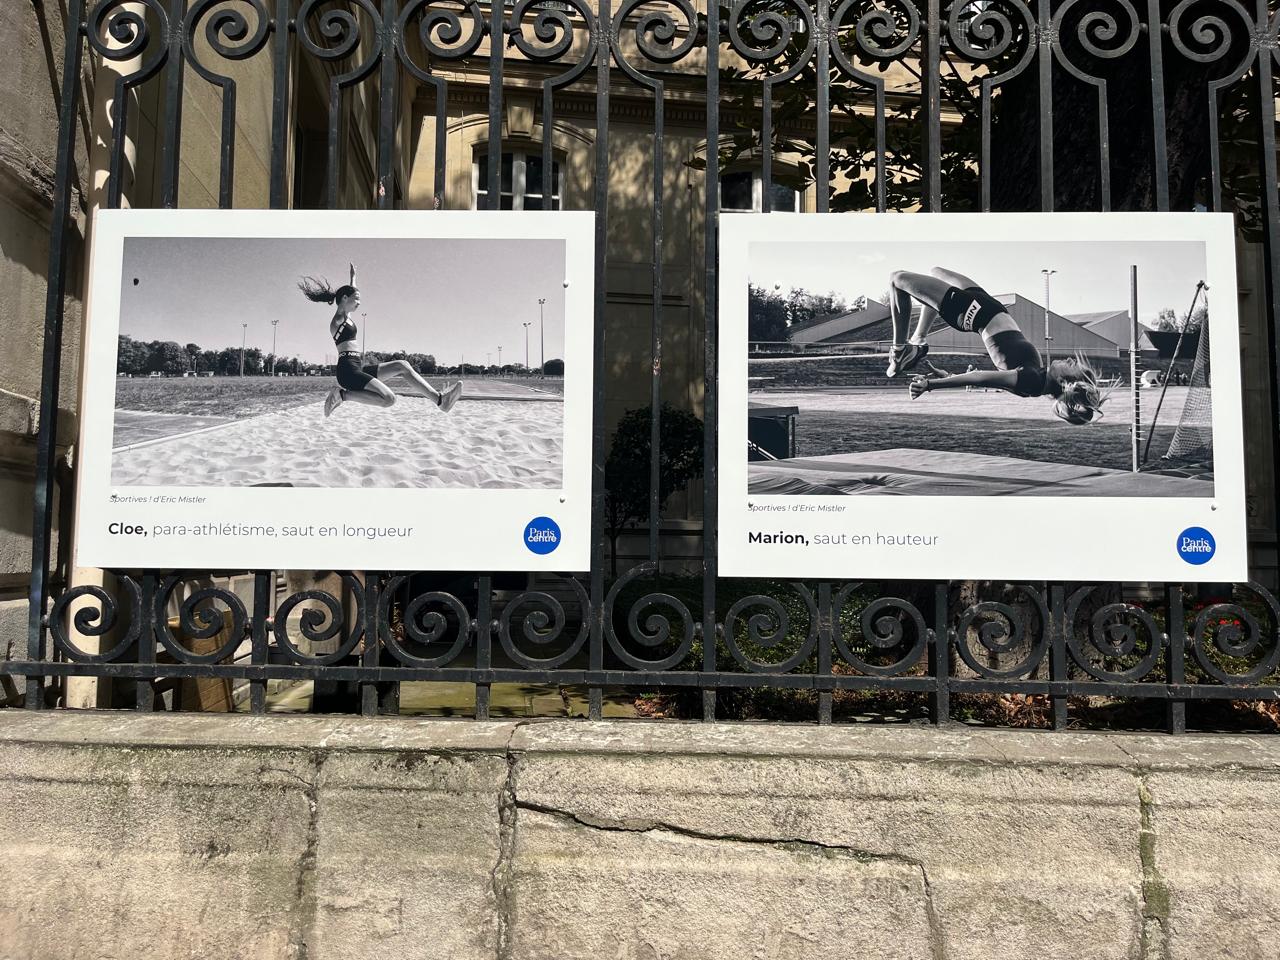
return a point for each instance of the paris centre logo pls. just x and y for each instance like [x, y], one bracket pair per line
[542, 535]
[1195, 545]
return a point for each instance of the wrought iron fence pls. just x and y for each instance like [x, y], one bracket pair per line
[781, 75]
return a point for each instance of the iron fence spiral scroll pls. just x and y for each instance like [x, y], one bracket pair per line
[883, 31]
[761, 30]
[98, 620]
[1232, 646]
[441, 32]
[1002, 629]
[226, 30]
[1113, 634]
[981, 32]
[881, 627]
[656, 631]
[319, 626]
[1097, 30]
[340, 29]
[425, 623]
[543, 625]
[659, 36]
[554, 32]
[200, 619]
[131, 31]
[768, 629]
[1208, 37]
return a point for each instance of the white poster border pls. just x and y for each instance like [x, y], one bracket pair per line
[1037, 538]
[455, 529]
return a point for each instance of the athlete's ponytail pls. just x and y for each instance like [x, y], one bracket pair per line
[319, 291]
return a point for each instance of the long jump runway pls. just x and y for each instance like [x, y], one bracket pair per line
[908, 472]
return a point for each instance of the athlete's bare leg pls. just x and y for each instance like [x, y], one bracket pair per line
[375, 393]
[924, 324]
[408, 379]
[954, 279]
[904, 287]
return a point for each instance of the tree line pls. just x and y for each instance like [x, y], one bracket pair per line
[167, 357]
[140, 358]
[1169, 319]
[771, 313]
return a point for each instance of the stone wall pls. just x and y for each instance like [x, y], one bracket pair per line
[199, 837]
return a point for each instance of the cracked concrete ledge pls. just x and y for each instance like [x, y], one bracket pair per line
[316, 837]
[927, 744]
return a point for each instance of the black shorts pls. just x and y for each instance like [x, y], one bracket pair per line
[969, 310]
[351, 375]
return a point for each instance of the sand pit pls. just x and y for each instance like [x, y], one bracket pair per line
[492, 444]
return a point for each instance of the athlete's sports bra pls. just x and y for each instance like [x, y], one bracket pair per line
[346, 332]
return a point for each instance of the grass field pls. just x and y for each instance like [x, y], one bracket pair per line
[983, 422]
[822, 432]
[242, 397]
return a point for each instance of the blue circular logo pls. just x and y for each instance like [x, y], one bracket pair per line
[1195, 545]
[541, 535]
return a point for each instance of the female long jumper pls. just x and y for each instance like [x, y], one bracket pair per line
[366, 383]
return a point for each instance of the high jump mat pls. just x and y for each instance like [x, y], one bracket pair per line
[908, 472]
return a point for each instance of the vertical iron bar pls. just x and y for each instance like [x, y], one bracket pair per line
[826, 629]
[710, 340]
[595, 696]
[1176, 665]
[497, 49]
[823, 138]
[882, 148]
[372, 642]
[116, 164]
[385, 193]
[484, 642]
[1044, 54]
[984, 161]
[152, 620]
[549, 182]
[931, 107]
[47, 431]
[263, 613]
[442, 141]
[171, 134]
[940, 657]
[1104, 148]
[1271, 218]
[227, 159]
[655, 345]
[280, 104]
[333, 135]
[1058, 627]
[1155, 44]
[766, 147]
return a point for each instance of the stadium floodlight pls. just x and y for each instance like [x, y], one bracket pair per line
[1048, 338]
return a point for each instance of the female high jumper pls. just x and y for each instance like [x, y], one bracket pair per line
[366, 383]
[962, 304]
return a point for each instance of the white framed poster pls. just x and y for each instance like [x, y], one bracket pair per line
[337, 390]
[967, 396]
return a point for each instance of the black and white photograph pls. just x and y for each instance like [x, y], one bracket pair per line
[942, 369]
[950, 359]
[339, 363]
[253, 359]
